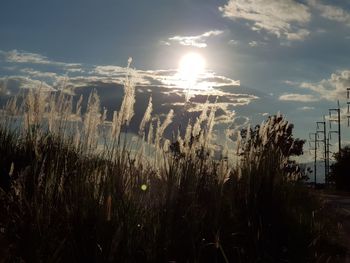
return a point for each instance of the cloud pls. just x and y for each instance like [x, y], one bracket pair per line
[282, 18]
[3, 86]
[225, 111]
[21, 82]
[298, 97]
[331, 12]
[233, 42]
[166, 86]
[330, 89]
[300, 34]
[291, 83]
[25, 57]
[15, 56]
[38, 74]
[164, 43]
[264, 114]
[109, 70]
[306, 108]
[256, 43]
[253, 44]
[198, 41]
[207, 82]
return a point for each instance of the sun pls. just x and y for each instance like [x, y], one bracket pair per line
[191, 66]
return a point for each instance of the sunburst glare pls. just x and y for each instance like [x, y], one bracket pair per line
[191, 66]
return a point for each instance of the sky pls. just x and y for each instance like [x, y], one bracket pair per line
[261, 57]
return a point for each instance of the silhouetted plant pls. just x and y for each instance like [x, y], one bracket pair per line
[65, 197]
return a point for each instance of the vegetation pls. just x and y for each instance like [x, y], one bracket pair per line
[340, 169]
[69, 196]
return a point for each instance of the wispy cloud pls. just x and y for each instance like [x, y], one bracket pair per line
[256, 43]
[300, 34]
[16, 56]
[38, 74]
[164, 43]
[195, 41]
[298, 97]
[283, 18]
[331, 12]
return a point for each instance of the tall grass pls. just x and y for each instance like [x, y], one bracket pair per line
[69, 196]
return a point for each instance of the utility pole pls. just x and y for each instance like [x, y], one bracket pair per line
[321, 128]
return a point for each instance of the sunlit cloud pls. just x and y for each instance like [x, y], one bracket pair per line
[198, 41]
[28, 74]
[284, 19]
[21, 82]
[330, 89]
[165, 86]
[206, 81]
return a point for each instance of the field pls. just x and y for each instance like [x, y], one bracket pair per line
[76, 187]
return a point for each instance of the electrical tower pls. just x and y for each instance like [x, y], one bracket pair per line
[322, 129]
[329, 139]
[327, 157]
[313, 139]
[336, 119]
[348, 103]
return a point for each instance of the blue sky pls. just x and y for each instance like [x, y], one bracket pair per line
[262, 56]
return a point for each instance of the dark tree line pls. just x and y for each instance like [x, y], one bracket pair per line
[341, 169]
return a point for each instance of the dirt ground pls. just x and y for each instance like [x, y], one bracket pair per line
[339, 203]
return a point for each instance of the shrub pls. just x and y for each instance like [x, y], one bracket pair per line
[340, 173]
